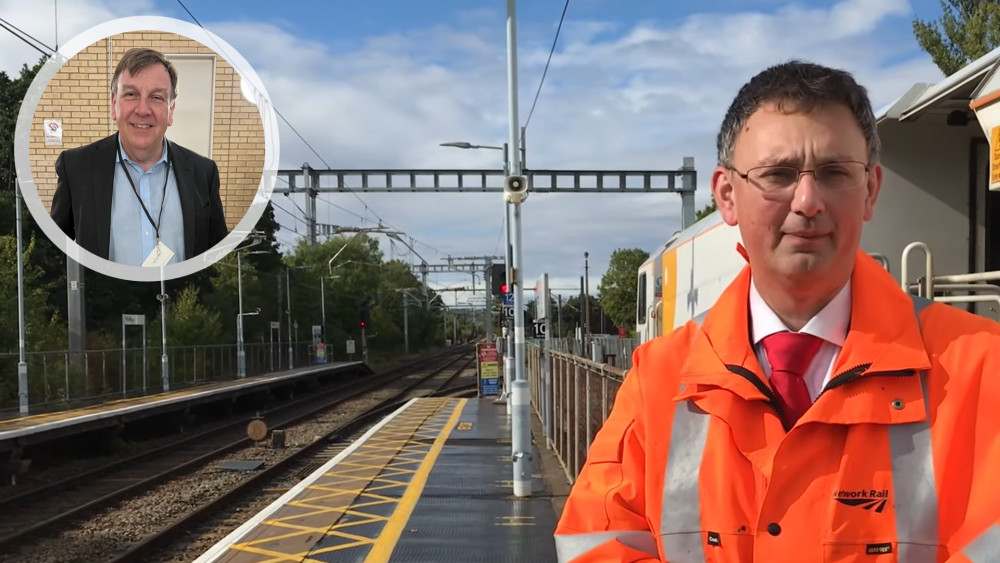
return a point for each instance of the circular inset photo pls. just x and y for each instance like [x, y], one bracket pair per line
[146, 148]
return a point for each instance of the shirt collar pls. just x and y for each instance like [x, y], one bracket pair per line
[830, 323]
[121, 153]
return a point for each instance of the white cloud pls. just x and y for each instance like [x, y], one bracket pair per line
[616, 97]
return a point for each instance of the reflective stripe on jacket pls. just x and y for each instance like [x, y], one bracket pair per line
[897, 460]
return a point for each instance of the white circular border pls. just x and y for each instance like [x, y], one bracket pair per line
[209, 40]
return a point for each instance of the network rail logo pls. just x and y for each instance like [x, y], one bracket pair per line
[868, 499]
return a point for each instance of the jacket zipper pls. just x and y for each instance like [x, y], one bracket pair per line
[838, 380]
[758, 382]
[856, 372]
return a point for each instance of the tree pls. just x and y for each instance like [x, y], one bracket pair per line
[967, 30]
[618, 285]
[189, 322]
[12, 93]
[43, 331]
[708, 210]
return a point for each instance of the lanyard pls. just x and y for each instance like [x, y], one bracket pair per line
[163, 195]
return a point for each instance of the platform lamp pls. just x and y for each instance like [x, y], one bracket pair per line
[256, 238]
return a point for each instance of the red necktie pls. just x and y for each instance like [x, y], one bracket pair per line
[789, 354]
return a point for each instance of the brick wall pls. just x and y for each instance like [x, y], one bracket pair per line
[80, 95]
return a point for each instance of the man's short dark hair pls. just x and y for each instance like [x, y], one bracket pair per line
[137, 59]
[798, 86]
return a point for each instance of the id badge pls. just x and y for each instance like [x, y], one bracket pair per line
[159, 256]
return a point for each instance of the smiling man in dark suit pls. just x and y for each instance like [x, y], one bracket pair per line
[134, 197]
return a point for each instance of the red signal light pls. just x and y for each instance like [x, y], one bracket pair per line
[503, 288]
[362, 323]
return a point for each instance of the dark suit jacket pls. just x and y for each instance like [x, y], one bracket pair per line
[81, 205]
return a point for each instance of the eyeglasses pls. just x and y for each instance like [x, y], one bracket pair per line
[781, 180]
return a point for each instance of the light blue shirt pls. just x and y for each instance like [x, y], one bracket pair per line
[133, 237]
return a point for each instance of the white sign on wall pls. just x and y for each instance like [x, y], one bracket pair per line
[53, 131]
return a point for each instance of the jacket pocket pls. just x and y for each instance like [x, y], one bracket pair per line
[872, 552]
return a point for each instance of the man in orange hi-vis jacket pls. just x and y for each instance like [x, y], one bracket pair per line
[817, 413]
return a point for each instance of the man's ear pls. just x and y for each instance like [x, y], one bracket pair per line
[170, 113]
[722, 191]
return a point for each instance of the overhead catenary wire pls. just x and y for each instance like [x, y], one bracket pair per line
[546, 69]
[17, 32]
[289, 213]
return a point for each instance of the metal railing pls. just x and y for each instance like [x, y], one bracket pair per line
[942, 287]
[579, 399]
[63, 379]
[612, 351]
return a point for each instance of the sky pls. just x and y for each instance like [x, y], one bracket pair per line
[632, 85]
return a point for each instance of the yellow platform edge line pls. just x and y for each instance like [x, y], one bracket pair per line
[384, 545]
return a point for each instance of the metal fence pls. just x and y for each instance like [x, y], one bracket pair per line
[63, 379]
[612, 351]
[577, 398]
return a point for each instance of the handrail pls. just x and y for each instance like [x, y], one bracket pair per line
[948, 287]
[903, 276]
[650, 323]
[881, 259]
[965, 278]
[658, 327]
[970, 299]
[585, 362]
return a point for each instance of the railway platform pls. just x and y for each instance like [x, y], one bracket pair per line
[23, 431]
[429, 482]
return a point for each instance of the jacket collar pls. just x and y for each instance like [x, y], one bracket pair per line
[102, 182]
[883, 337]
[187, 190]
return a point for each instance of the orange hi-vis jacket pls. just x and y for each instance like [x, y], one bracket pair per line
[897, 460]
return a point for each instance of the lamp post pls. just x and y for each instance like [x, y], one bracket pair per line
[241, 366]
[162, 297]
[22, 365]
[241, 361]
[520, 389]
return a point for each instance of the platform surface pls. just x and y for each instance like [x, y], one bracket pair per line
[17, 427]
[430, 483]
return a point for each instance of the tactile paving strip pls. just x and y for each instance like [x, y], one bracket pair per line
[366, 497]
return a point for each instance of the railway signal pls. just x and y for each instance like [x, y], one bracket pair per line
[498, 279]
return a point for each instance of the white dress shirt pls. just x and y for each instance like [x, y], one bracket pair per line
[830, 324]
[132, 235]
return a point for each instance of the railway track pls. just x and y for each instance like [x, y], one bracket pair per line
[41, 512]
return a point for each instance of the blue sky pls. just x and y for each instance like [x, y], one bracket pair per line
[632, 85]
